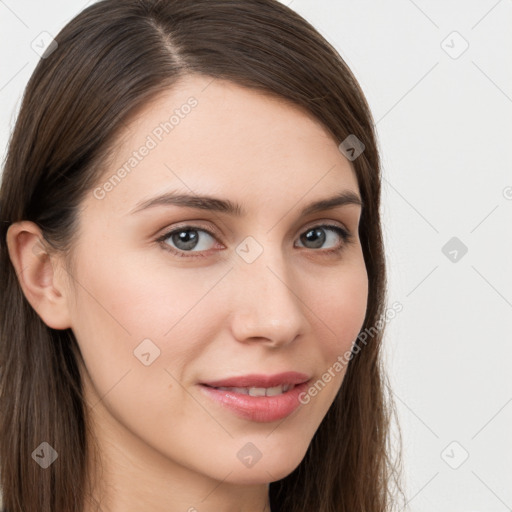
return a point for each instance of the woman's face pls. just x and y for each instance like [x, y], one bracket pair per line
[228, 294]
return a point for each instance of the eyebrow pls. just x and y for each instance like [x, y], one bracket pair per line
[205, 202]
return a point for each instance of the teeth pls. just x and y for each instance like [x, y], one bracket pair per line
[277, 390]
[258, 391]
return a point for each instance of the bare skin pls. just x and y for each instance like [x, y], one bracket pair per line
[165, 445]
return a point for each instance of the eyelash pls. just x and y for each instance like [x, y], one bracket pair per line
[345, 235]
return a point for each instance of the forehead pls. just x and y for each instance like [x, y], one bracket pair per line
[213, 136]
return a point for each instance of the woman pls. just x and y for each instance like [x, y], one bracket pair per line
[194, 270]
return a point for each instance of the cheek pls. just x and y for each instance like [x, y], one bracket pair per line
[129, 307]
[337, 302]
[341, 306]
[129, 314]
[134, 295]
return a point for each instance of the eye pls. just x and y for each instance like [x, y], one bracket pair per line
[187, 238]
[315, 237]
[193, 239]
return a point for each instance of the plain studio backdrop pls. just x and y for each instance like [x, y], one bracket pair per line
[438, 77]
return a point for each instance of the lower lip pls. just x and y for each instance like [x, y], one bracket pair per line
[258, 408]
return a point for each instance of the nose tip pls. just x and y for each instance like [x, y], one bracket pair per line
[267, 309]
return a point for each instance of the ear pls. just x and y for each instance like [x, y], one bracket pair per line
[40, 275]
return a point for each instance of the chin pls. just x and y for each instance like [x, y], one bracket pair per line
[271, 468]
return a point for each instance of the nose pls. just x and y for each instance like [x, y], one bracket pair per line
[266, 306]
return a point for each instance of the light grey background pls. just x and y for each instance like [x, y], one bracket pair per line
[444, 121]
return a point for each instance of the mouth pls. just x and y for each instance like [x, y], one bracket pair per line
[259, 403]
[254, 391]
[260, 381]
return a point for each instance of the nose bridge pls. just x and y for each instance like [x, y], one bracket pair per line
[266, 303]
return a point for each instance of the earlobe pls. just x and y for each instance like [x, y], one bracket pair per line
[39, 274]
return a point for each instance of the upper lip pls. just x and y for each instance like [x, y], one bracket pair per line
[260, 381]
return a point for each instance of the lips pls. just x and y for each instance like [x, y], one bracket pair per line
[259, 398]
[254, 406]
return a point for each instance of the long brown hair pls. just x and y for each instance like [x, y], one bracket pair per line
[112, 59]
